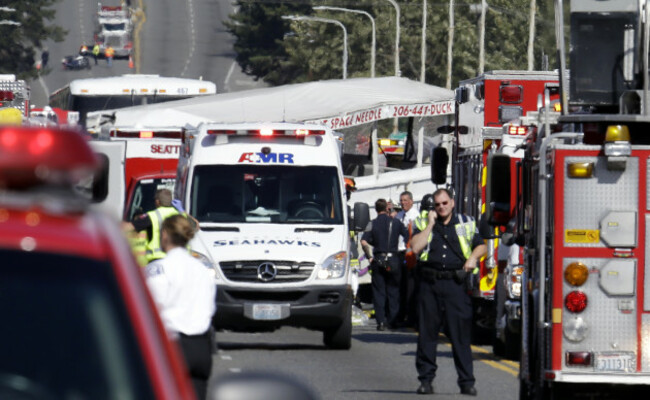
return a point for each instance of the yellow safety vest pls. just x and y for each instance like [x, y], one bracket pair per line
[464, 229]
[154, 248]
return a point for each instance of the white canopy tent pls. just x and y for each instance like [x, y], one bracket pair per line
[320, 102]
[338, 104]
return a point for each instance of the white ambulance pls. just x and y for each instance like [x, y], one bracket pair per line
[270, 200]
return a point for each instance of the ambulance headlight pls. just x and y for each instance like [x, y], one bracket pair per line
[205, 261]
[575, 329]
[334, 266]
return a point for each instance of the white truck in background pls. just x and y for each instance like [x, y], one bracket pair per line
[270, 201]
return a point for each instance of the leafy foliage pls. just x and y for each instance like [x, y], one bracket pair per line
[18, 44]
[282, 51]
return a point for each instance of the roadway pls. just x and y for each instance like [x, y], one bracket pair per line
[379, 366]
[171, 38]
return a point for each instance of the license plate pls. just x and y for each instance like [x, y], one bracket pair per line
[267, 311]
[615, 362]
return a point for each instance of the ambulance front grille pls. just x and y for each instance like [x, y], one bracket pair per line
[249, 271]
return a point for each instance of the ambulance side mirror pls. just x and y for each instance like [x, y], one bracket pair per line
[439, 162]
[361, 217]
[498, 201]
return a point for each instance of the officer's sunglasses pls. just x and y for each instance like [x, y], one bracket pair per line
[442, 203]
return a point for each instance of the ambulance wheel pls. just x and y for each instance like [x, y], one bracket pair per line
[340, 337]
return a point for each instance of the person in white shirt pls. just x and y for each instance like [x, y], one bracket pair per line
[408, 292]
[185, 294]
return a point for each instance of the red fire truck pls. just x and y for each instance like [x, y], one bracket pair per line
[583, 215]
[485, 103]
[136, 162]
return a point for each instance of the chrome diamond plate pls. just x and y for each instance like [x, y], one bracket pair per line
[610, 329]
[588, 200]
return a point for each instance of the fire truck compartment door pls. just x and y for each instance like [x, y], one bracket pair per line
[617, 277]
[618, 229]
[113, 153]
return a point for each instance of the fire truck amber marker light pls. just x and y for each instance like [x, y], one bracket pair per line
[581, 170]
[576, 274]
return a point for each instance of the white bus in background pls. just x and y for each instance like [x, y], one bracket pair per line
[97, 94]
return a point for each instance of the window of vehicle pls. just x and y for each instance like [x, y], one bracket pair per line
[278, 194]
[66, 332]
[143, 196]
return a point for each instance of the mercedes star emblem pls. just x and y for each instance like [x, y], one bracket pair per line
[266, 272]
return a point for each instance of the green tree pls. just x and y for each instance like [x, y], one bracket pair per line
[281, 51]
[18, 44]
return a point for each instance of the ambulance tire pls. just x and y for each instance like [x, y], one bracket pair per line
[340, 337]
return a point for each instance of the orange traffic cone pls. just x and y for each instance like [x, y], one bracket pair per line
[130, 62]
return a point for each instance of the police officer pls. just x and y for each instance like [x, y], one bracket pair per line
[152, 222]
[384, 263]
[451, 248]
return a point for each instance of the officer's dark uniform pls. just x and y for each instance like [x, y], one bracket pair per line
[385, 284]
[444, 300]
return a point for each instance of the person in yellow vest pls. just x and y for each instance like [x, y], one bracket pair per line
[151, 223]
[109, 53]
[451, 248]
[96, 52]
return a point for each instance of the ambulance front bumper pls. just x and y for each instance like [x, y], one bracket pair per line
[312, 307]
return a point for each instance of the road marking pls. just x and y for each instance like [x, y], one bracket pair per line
[190, 12]
[225, 357]
[44, 85]
[508, 366]
[511, 367]
[226, 85]
[142, 18]
[235, 370]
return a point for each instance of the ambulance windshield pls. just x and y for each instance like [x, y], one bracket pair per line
[266, 194]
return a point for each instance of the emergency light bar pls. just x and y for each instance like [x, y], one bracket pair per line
[146, 134]
[33, 156]
[266, 132]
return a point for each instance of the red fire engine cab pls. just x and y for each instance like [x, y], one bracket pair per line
[485, 103]
[77, 315]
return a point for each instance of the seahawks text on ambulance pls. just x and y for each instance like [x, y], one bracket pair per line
[273, 242]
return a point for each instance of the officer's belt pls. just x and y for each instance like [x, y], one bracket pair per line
[432, 274]
[383, 254]
[440, 266]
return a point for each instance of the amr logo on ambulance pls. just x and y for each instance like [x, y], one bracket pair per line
[266, 158]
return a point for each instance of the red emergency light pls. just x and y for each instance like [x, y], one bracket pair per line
[6, 95]
[33, 156]
[579, 358]
[146, 134]
[266, 132]
[576, 301]
[511, 94]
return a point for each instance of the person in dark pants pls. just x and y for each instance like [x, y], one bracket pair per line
[384, 264]
[451, 247]
[408, 296]
[185, 294]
